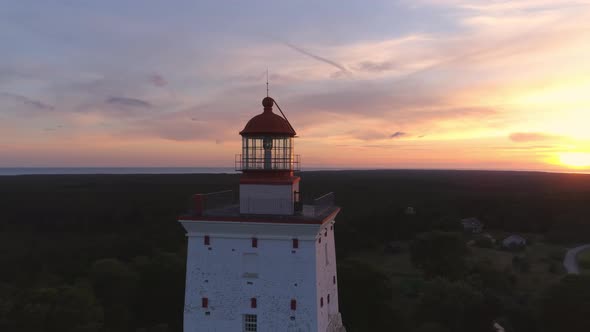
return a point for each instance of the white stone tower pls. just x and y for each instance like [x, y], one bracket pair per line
[266, 264]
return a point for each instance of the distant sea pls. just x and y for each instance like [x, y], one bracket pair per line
[124, 170]
[7, 171]
[115, 170]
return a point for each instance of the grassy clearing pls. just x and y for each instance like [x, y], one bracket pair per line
[394, 266]
[544, 262]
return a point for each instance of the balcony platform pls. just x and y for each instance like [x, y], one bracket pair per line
[232, 214]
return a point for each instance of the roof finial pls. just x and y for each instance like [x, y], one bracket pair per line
[267, 81]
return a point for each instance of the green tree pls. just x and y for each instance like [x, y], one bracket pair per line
[566, 305]
[58, 309]
[115, 285]
[366, 299]
[161, 280]
[456, 306]
[439, 254]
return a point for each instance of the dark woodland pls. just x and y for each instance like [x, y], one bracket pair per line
[105, 252]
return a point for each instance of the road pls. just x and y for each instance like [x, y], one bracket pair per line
[570, 262]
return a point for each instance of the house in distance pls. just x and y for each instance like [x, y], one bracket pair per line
[472, 225]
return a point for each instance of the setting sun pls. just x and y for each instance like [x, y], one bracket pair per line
[575, 159]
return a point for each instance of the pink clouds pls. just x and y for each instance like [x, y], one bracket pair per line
[533, 137]
[430, 93]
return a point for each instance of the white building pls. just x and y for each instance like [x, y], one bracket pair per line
[268, 263]
[472, 225]
[513, 241]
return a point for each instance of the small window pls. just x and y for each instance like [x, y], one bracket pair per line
[334, 280]
[253, 302]
[250, 323]
[293, 304]
[326, 253]
[326, 232]
[321, 302]
[206, 240]
[254, 242]
[204, 302]
[250, 265]
[295, 243]
[328, 298]
[320, 239]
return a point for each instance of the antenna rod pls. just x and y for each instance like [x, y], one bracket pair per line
[267, 81]
[289, 123]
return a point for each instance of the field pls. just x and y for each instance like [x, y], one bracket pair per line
[544, 263]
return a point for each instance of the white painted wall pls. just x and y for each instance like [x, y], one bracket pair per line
[267, 199]
[217, 272]
[325, 274]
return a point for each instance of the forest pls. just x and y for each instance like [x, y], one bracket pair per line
[100, 253]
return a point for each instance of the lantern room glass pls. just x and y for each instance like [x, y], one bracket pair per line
[267, 153]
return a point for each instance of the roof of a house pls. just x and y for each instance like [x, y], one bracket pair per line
[514, 238]
[470, 221]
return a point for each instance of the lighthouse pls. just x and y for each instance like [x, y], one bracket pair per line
[266, 261]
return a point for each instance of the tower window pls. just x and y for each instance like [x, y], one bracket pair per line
[254, 242]
[250, 265]
[321, 302]
[295, 243]
[328, 298]
[207, 240]
[293, 304]
[334, 280]
[250, 323]
[253, 302]
[204, 302]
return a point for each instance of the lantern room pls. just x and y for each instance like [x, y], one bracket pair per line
[267, 162]
[267, 142]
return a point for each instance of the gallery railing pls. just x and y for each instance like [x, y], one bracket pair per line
[245, 163]
[203, 203]
[320, 206]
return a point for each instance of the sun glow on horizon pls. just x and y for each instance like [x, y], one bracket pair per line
[575, 159]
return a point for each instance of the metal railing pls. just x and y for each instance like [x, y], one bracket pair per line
[320, 206]
[218, 203]
[273, 163]
[203, 203]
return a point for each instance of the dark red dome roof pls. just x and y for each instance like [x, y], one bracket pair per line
[268, 123]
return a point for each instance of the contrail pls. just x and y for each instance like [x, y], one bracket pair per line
[319, 58]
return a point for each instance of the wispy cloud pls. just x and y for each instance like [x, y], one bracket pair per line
[377, 67]
[131, 102]
[398, 134]
[26, 101]
[157, 80]
[533, 137]
[335, 64]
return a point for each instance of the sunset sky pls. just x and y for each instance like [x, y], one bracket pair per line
[367, 84]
